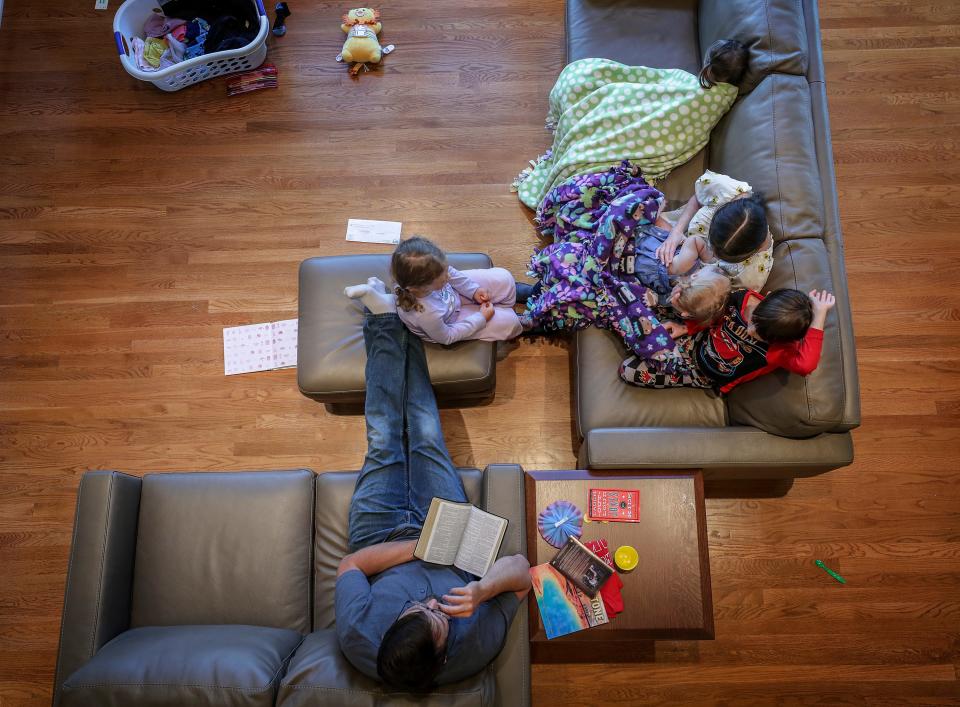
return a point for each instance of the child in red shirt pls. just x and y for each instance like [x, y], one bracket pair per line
[754, 335]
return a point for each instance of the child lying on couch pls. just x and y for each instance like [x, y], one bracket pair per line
[755, 335]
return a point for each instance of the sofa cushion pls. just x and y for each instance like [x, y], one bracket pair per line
[784, 403]
[603, 399]
[320, 675]
[224, 548]
[678, 185]
[767, 140]
[773, 30]
[657, 33]
[334, 491]
[330, 353]
[160, 666]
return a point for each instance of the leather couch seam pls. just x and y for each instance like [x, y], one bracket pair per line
[770, 40]
[776, 151]
[325, 688]
[806, 388]
[66, 593]
[85, 685]
[103, 552]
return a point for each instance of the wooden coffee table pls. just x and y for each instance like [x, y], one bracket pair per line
[667, 596]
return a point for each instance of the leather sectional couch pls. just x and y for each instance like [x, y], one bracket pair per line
[776, 137]
[217, 589]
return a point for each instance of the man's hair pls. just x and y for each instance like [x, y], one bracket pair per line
[408, 658]
[784, 315]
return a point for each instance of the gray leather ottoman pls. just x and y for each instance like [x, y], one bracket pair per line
[330, 352]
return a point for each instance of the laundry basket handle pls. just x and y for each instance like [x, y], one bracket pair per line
[260, 8]
[118, 38]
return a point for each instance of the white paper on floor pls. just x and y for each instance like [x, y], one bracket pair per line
[364, 231]
[260, 347]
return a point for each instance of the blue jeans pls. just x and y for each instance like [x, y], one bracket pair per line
[407, 462]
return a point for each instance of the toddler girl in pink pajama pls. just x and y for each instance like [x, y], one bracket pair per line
[444, 305]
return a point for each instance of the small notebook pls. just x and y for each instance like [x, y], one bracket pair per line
[260, 347]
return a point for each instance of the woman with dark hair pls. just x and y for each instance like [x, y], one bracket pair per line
[724, 222]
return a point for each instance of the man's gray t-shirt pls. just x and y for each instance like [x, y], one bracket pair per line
[367, 607]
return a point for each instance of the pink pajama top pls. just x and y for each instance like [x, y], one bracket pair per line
[439, 321]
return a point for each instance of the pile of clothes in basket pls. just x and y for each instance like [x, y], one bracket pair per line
[186, 29]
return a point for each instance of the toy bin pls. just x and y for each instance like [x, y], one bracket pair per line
[128, 23]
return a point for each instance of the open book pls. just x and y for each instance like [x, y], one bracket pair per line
[461, 535]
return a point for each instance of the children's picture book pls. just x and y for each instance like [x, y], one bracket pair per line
[563, 607]
[461, 535]
[617, 505]
[260, 347]
[367, 231]
[577, 563]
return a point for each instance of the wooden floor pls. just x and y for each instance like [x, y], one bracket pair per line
[135, 225]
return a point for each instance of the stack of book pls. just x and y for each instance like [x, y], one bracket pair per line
[567, 590]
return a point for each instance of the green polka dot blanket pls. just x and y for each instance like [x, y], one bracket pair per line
[603, 112]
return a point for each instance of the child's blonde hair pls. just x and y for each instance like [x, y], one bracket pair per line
[415, 263]
[704, 297]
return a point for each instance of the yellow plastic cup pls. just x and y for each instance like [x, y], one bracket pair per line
[626, 557]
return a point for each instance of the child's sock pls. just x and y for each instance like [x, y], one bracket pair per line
[376, 302]
[377, 284]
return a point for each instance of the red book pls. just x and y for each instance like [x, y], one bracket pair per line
[618, 505]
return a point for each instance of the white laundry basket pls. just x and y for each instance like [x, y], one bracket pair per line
[128, 23]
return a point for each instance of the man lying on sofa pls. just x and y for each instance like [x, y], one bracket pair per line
[408, 623]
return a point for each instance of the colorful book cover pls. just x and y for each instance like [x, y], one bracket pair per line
[564, 608]
[580, 565]
[617, 505]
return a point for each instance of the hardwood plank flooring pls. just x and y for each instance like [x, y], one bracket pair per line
[135, 225]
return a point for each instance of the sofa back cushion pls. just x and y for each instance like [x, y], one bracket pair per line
[767, 140]
[657, 33]
[773, 30]
[224, 548]
[239, 666]
[784, 403]
[319, 674]
[334, 491]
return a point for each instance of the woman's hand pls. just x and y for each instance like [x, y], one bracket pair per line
[486, 309]
[668, 248]
[674, 329]
[481, 296]
[461, 602]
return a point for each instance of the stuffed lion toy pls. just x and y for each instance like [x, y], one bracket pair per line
[362, 47]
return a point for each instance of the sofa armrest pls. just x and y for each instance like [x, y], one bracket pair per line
[722, 452]
[503, 495]
[96, 605]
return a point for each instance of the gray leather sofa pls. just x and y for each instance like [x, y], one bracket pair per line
[777, 137]
[217, 589]
[330, 354]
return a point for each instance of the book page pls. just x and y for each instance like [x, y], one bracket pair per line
[447, 530]
[284, 338]
[481, 542]
[247, 348]
[260, 347]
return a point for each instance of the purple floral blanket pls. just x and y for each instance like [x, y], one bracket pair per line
[592, 219]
